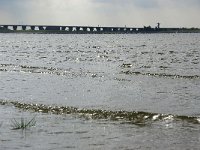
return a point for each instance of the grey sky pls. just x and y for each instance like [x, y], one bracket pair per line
[171, 13]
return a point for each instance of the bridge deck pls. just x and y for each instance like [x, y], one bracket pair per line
[86, 29]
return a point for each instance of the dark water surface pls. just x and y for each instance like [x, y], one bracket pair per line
[101, 91]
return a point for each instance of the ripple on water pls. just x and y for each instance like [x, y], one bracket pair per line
[161, 75]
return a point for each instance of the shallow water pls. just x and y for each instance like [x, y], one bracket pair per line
[136, 91]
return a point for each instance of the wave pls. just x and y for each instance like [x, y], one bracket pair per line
[76, 73]
[32, 69]
[133, 117]
[45, 70]
[162, 75]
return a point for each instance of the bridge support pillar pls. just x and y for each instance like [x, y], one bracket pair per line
[115, 30]
[78, 29]
[23, 27]
[14, 27]
[5, 27]
[98, 29]
[133, 30]
[70, 29]
[84, 29]
[128, 30]
[121, 30]
[63, 28]
[32, 27]
[89, 29]
[41, 28]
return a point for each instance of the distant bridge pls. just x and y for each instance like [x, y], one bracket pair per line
[85, 29]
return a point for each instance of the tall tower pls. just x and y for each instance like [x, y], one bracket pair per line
[158, 25]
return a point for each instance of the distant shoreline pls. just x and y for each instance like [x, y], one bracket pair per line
[138, 31]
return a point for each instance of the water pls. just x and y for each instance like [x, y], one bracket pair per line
[137, 91]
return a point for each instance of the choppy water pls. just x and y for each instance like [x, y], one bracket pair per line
[101, 91]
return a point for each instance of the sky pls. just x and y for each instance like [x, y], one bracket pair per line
[130, 13]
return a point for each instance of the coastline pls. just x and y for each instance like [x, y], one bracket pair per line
[138, 31]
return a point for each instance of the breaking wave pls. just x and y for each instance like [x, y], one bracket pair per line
[133, 117]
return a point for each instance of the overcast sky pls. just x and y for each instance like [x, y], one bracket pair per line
[134, 13]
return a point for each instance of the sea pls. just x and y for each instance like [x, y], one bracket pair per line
[100, 91]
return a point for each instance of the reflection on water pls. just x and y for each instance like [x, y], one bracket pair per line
[123, 91]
